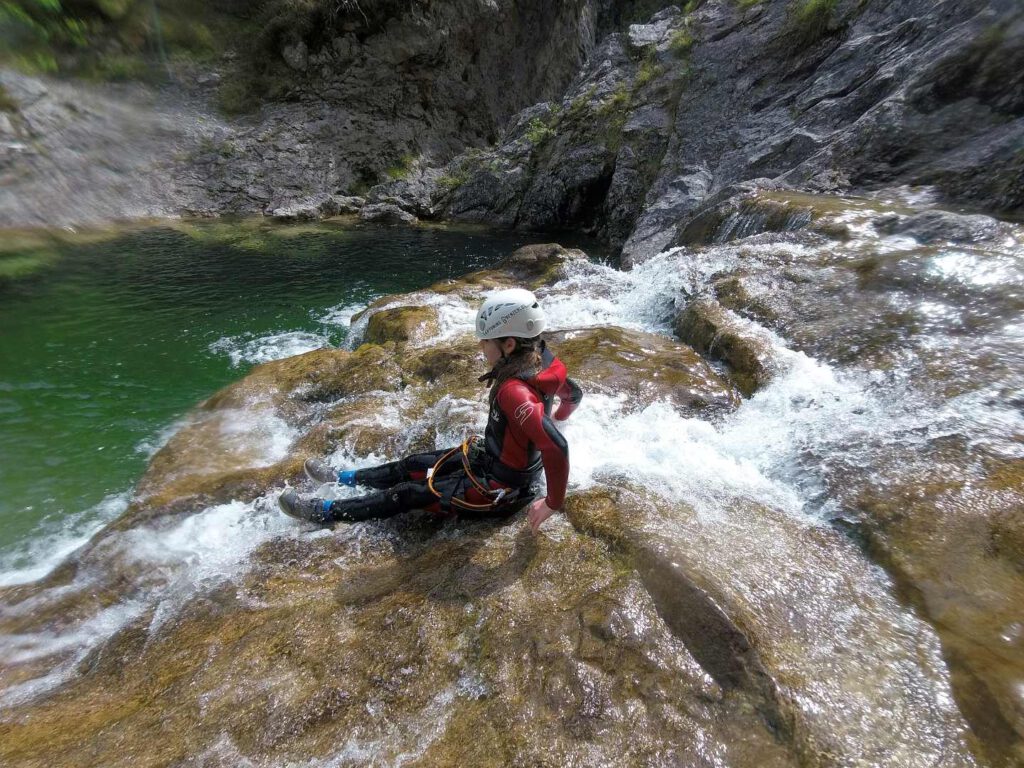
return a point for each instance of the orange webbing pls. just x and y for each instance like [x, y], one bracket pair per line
[460, 503]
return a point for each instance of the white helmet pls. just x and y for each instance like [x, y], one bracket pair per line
[514, 312]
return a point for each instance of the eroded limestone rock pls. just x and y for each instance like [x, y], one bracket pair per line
[645, 368]
[712, 330]
[401, 324]
[386, 213]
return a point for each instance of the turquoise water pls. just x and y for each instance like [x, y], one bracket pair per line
[104, 349]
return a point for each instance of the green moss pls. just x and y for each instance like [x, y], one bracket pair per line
[118, 67]
[7, 102]
[116, 39]
[681, 42]
[745, 4]
[18, 265]
[190, 36]
[616, 104]
[400, 169]
[538, 131]
[460, 174]
[614, 112]
[33, 30]
[450, 182]
[648, 71]
[242, 91]
[234, 97]
[809, 21]
[579, 109]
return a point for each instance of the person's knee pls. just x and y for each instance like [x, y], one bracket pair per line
[407, 494]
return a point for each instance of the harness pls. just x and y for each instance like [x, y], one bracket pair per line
[498, 496]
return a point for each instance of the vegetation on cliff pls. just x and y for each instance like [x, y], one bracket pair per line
[113, 39]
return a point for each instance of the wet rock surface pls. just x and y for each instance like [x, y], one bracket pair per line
[910, 304]
[72, 153]
[645, 368]
[713, 331]
[639, 628]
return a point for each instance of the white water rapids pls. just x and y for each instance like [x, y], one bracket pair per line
[778, 450]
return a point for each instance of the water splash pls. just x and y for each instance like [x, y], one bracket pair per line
[57, 539]
[249, 350]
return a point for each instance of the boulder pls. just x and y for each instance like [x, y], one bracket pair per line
[714, 331]
[401, 324]
[386, 213]
[348, 203]
[644, 367]
[543, 264]
[755, 595]
[296, 55]
[312, 208]
[930, 226]
[930, 517]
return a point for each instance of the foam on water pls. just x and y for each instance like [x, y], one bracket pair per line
[643, 299]
[341, 315]
[253, 350]
[975, 268]
[402, 742]
[170, 565]
[257, 432]
[455, 317]
[150, 445]
[754, 453]
[56, 539]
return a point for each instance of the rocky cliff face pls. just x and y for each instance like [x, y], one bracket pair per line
[841, 96]
[372, 97]
[381, 96]
[825, 96]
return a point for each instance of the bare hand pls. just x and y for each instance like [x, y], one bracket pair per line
[539, 512]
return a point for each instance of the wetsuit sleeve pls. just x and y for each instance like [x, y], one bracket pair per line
[569, 396]
[525, 414]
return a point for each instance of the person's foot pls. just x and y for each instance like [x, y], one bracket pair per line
[311, 510]
[319, 471]
[323, 473]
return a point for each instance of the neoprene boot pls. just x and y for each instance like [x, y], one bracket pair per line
[311, 510]
[322, 473]
[375, 506]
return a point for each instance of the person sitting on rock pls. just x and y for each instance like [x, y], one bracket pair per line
[494, 477]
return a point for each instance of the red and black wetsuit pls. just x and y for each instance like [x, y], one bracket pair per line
[520, 438]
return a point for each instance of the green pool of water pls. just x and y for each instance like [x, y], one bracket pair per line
[105, 343]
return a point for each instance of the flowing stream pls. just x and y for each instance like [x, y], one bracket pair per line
[116, 335]
[890, 359]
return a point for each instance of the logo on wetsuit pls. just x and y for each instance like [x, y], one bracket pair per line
[522, 413]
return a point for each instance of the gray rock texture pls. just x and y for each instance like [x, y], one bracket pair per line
[73, 154]
[554, 119]
[386, 213]
[409, 85]
[685, 106]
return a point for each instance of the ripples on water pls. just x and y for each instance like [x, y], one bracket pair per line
[107, 346]
[828, 411]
